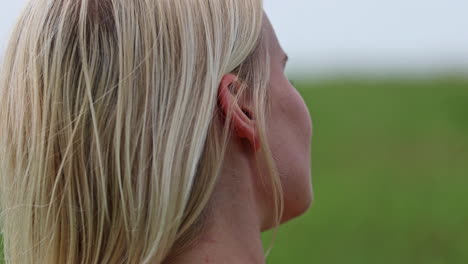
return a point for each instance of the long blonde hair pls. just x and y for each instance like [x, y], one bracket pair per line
[109, 149]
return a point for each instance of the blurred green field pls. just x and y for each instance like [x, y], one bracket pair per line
[390, 174]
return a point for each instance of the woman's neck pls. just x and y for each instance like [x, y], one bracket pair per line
[226, 240]
[233, 224]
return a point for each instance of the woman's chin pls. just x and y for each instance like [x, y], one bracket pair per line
[293, 208]
[297, 205]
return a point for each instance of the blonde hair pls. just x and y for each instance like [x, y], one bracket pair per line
[110, 152]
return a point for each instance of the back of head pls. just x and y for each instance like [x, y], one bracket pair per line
[109, 152]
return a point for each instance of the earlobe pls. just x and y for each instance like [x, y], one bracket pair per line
[241, 118]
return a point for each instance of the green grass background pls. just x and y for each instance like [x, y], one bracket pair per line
[390, 174]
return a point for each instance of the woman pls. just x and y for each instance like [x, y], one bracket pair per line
[148, 131]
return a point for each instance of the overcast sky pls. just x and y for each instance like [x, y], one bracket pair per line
[359, 35]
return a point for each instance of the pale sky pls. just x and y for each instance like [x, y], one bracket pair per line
[373, 35]
[365, 36]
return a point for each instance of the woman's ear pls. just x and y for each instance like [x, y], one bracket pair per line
[241, 116]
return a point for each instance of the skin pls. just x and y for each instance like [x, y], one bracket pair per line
[239, 209]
